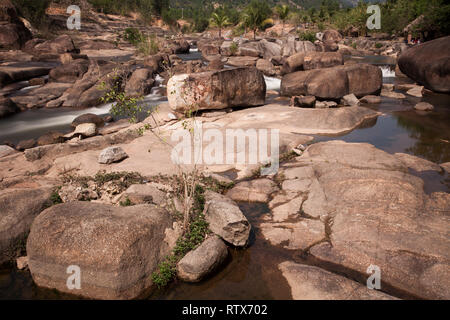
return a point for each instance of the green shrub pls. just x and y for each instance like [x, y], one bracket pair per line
[378, 45]
[33, 11]
[234, 48]
[307, 36]
[133, 36]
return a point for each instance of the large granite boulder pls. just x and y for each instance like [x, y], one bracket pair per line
[334, 83]
[331, 35]
[88, 118]
[18, 208]
[239, 87]
[428, 64]
[115, 248]
[312, 60]
[140, 83]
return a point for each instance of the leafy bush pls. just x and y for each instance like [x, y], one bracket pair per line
[33, 11]
[378, 45]
[234, 48]
[307, 36]
[133, 35]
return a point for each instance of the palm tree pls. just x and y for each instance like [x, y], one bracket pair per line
[254, 15]
[283, 13]
[220, 20]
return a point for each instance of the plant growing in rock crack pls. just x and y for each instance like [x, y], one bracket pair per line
[122, 104]
[194, 234]
[195, 226]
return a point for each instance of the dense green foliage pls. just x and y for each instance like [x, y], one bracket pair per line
[344, 15]
[32, 10]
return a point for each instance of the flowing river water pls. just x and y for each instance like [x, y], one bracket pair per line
[253, 273]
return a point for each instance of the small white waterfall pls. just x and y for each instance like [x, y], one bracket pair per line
[388, 71]
[272, 83]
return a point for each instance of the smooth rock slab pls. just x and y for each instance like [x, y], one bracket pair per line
[371, 99]
[381, 216]
[313, 283]
[112, 154]
[298, 120]
[143, 193]
[6, 151]
[424, 106]
[253, 191]
[294, 235]
[417, 164]
[116, 248]
[203, 260]
[226, 220]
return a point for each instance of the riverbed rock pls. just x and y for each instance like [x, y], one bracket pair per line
[84, 130]
[140, 83]
[69, 72]
[86, 91]
[265, 67]
[293, 63]
[350, 100]
[446, 166]
[59, 45]
[392, 94]
[258, 190]
[303, 102]
[143, 194]
[88, 118]
[18, 209]
[51, 137]
[269, 49]
[6, 151]
[298, 120]
[331, 35]
[22, 263]
[26, 144]
[226, 220]
[424, 106]
[371, 99]
[378, 214]
[334, 83]
[417, 164]
[112, 154]
[313, 283]
[242, 61]
[7, 107]
[109, 244]
[319, 60]
[417, 91]
[41, 96]
[203, 260]
[428, 64]
[240, 87]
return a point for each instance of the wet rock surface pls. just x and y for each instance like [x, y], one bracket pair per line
[374, 213]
